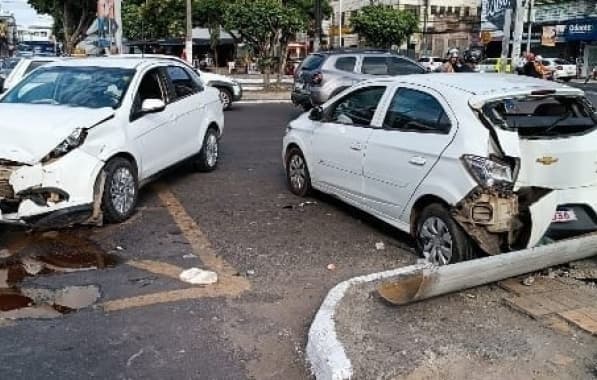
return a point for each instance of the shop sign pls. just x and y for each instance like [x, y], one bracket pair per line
[585, 31]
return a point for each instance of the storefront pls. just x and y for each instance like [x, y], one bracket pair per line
[584, 33]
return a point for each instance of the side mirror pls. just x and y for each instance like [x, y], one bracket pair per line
[152, 106]
[316, 114]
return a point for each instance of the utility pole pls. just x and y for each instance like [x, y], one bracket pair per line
[506, 38]
[517, 35]
[189, 39]
[340, 27]
[318, 17]
[425, 45]
[118, 21]
[530, 4]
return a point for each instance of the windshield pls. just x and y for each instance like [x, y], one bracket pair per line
[90, 87]
[312, 62]
[543, 116]
[9, 64]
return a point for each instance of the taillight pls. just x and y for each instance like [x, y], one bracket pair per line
[317, 78]
[559, 68]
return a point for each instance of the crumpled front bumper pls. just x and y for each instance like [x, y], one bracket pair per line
[51, 193]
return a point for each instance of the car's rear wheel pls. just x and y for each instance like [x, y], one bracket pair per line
[207, 159]
[121, 190]
[297, 173]
[225, 98]
[439, 239]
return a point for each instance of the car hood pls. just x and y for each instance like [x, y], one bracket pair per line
[211, 77]
[30, 132]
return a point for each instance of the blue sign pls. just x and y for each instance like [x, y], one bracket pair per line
[585, 30]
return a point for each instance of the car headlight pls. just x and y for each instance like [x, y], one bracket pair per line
[74, 140]
[488, 172]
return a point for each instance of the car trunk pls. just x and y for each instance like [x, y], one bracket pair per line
[310, 66]
[554, 138]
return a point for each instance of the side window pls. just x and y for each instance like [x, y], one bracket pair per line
[413, 110]
[346, 63]
[356, 108]
[151, 87]
[400, 66]
[375, 66]
[183, 84]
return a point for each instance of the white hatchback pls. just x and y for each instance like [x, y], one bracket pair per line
[560, 68]
[80, 137]
[460, 161]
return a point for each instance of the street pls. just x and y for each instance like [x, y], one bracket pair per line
[277, 256]
[241, 218]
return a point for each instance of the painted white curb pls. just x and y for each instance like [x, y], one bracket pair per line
[325, 354]
[264, 101]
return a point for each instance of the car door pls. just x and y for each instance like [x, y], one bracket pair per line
[339, 141]
[417, 127]
[187, 106]
[151, 132]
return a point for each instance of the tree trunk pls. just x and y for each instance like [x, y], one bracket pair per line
[282, 59]
[66, 26]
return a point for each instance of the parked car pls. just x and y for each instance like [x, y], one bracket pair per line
[80, 137]
[229, 89]
[560, 68]
[325, 74]
[489, 65]
[458, 161]
[24, 67]
[431, 63]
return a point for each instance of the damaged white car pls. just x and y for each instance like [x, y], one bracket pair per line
[460, 161]
[80, 137]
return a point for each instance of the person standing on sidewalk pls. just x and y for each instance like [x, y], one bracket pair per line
[530, 68]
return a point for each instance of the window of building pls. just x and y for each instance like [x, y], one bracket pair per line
[434, 9]
[467, 11]
[457, 11]
[442, 10]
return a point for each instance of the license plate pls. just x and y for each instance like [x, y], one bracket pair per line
[564, 216]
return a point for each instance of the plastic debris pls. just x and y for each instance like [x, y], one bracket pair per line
[528, 281]
[198, 276]
[119, 248]
[250, 272]
[331, 267]
[380, 246]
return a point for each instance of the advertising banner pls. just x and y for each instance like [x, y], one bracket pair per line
[581, 31]
[493, 13]
[548, 37]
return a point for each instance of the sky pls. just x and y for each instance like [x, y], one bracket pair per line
[24, 14]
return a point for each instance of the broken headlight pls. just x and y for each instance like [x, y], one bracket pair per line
[74, 140]
[488, 172]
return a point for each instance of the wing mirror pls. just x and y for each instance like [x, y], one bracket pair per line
[153, 105]
[316, 114]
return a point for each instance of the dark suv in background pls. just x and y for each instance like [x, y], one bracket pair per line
[325, 74]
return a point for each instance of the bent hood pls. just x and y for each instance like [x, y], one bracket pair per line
[30, 132]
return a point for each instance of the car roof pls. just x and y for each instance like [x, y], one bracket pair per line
[114, 62]
[477, 83]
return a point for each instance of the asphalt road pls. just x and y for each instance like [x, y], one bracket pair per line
[271, 252]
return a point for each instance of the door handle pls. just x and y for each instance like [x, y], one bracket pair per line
[419, 161]
[356, 146]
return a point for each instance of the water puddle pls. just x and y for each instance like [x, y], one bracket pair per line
[24, 255]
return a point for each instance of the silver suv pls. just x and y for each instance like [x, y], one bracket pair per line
[322, 75]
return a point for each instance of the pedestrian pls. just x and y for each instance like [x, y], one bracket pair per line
[450, 66]
[591, 75]
[530, 69]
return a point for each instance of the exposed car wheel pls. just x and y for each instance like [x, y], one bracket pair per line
[121, 190]
[225, 98]
[567, 79]
[439, 239]
[297, 173]
[207, 159]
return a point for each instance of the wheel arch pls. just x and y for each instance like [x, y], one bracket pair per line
[420, 205]
[127, 156]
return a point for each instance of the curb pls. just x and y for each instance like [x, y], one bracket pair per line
[326, 356]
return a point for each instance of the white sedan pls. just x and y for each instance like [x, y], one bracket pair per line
[80, 137]
[459, 161]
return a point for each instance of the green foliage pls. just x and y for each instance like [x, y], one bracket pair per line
[383, 26]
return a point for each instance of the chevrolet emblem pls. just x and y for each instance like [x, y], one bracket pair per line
[547, 160]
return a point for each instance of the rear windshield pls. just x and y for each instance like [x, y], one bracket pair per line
[312, 62]
[545, 116]
[560, 61]
[424, 59]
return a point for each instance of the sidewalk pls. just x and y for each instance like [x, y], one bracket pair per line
[481, 333]
[266, 96]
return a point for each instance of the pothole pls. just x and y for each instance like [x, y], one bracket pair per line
[30, 255]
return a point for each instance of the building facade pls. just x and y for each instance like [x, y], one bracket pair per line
[443, 24]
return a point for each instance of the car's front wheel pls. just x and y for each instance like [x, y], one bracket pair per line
[297, 173]
[121, 190]
[439, 239]
[207, 159]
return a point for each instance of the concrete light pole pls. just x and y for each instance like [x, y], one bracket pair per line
[340, 26]
[189, 38]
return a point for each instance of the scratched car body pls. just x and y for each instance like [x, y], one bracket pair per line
[459, 161]
[80, 137]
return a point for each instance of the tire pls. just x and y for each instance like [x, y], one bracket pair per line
[433, 245]
[225, 98]
[298, 178]
[567, 79]
[121, 190]
[207, 159]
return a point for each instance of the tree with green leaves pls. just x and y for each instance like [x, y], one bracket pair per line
[266, 26]
[210, 14]
[72, 18]
[383, 26]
